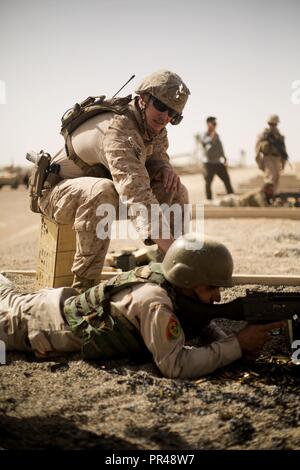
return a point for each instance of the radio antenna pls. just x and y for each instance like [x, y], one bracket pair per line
[131, 78]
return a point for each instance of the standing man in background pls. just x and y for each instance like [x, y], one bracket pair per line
[271, 154]
[214, 153]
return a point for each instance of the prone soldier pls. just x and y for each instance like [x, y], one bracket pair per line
[146, 310]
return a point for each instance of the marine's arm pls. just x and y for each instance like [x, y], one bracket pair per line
[164, 337]
[126, 155]
[158, 164]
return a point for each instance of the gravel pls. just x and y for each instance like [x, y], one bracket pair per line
[65, 403]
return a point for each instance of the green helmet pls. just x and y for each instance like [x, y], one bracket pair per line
[167, 87]
[193, 260]
[274, 119]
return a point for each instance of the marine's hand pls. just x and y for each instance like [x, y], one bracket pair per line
[252, 338]
[170, 179]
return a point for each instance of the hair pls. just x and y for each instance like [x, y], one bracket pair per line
[211, 119]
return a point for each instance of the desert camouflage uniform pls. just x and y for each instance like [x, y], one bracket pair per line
[133, 157]
[269, 158]
[36, 322]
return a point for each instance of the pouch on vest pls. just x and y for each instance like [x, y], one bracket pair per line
[111, 337]
[104, 335]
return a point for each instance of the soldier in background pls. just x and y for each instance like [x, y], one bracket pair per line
[271, 154]
[214, 154]
[256, 198]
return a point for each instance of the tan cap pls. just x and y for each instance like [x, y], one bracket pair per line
[273, 119]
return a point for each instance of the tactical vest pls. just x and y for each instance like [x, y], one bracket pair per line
[105, 333]
[80, 113]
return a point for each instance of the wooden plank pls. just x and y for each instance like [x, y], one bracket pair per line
[107, 273]
[22, 272]
[212, 212]
[266, 279]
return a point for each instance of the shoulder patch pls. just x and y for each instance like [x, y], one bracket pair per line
[173, 329]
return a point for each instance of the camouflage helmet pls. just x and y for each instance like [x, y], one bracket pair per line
[167, 87]
[273, 119]
[193, 260]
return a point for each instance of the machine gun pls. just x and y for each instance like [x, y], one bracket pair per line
[255, 308]
[287, 198]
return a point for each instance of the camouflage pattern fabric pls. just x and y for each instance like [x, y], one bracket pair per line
[134, 159]
[34, 322]
[268, 157]
[75, 201]
[168, 87]
[272, 170]
[105, 333]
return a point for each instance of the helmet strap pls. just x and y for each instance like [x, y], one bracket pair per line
[143, 103]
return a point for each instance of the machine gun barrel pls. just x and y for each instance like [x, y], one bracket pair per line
[254, 308]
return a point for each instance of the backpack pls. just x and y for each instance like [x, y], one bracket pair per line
[80, 113]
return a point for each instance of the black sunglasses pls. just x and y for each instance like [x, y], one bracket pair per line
[161, 107]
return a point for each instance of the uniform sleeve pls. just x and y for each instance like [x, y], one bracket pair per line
[165, 339]
[159, 158]
[262, 144]
[126, 157]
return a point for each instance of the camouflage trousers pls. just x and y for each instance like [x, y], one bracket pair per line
[272, 170]
[34, 322]
[75, 201]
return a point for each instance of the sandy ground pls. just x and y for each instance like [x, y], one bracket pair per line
[69, 404]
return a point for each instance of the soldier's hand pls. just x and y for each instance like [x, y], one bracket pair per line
[170, 179]
[252, 338]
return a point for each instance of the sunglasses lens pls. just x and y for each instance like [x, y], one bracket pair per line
[161, 107]
[172, 113]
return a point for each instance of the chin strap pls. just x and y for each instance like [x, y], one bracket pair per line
[142, 106]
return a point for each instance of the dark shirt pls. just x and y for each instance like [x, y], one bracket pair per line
[213, 148]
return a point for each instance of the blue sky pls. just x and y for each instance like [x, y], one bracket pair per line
[239, 59]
